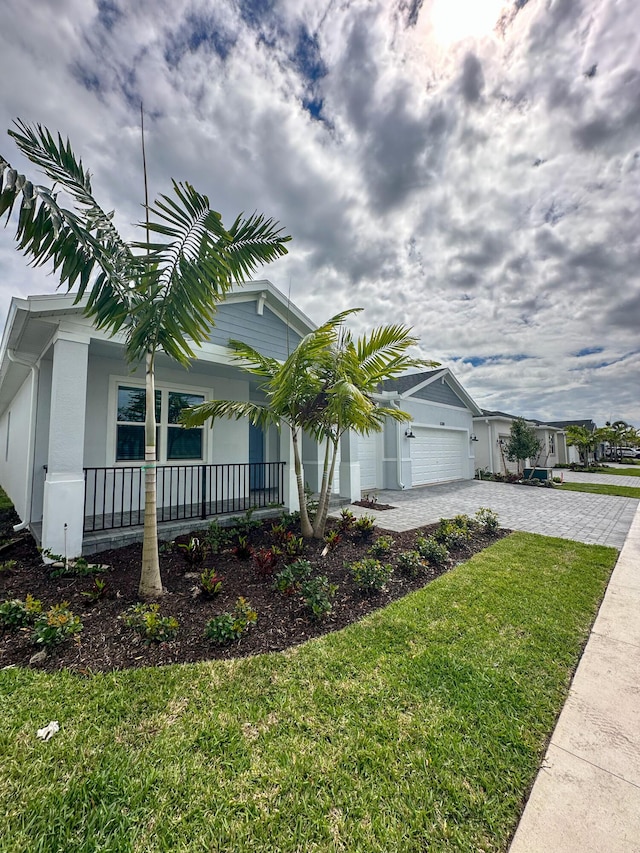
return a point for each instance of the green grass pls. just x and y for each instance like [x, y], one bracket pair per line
[420, 728]
[602, 489]
[5, 502]
[628, 471]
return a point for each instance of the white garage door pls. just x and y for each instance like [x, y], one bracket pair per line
[438, 455]
[368, 456]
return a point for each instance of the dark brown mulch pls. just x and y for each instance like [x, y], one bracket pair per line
[106, 644]
[367, 504]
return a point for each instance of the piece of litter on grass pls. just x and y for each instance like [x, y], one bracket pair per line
[48, 731]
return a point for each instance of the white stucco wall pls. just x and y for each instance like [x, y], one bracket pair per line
[15, 429]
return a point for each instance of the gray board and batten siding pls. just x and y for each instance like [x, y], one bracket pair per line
[265, 332]
[440, 392]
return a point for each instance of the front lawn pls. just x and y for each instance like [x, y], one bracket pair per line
[628, 471]
[601, 489]
[419, 728]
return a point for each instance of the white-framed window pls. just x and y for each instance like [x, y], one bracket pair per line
[173, 442]
[552, 444]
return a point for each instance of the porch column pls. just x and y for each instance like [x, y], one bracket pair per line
[349, 467]
[290, 493]
[313, 461]
[63, 510]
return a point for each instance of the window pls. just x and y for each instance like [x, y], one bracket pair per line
[172, 441]
[552, 444]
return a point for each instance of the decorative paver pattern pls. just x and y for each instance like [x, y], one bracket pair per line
[594, 519]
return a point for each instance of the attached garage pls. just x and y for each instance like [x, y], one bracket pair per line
[438, 455]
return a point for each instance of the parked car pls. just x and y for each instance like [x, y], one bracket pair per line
[628, 453]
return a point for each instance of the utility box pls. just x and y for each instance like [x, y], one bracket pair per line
[538, 474]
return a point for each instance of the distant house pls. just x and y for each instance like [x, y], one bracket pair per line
[493, 428]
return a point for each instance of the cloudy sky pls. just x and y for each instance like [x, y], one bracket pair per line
[468, 167]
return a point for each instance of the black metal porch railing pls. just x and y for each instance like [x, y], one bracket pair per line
[114, 497]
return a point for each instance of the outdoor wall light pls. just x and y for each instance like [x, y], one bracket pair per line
[408, 433]
[473, 437]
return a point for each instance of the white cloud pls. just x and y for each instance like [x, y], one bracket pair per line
[484, 191]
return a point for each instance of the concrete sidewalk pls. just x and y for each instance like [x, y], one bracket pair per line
[586, 798]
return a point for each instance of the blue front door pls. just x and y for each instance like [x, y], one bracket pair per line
[256, 455]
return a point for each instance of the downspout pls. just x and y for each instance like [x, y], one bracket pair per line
[398, 449]
[490, 432]
[32, 413]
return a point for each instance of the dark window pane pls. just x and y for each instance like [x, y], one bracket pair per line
[184, 443]
[178, 402]
[132, 406]
[130, 444]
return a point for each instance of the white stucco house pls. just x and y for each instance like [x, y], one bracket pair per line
[492, 429]
[72, 414]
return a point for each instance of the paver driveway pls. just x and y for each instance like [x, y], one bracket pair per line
[602, 519]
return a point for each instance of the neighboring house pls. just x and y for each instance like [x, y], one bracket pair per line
[493, 430]
[72, 426]
[436, 446]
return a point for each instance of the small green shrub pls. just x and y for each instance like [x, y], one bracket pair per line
[217, 537]
[364, 525]
[227, 627]
[72, 568]
[210, 582]
[453, 532]
[279, 532]
[243, 550]
[370, 575]
[8, 566]
[292, 547]
[145, 620]
[434, 552]
[412, 564]
[54, 626]
[288, 580]
[487, 519]
[15, 613]
[194, 551]
[381, 547]
[317, 594]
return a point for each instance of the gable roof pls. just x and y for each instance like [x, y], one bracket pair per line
[587, 424]
[407, 385]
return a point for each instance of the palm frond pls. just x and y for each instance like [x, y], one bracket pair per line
[257, 413]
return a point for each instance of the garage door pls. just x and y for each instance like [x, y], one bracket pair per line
[368, 456]
[438, 455]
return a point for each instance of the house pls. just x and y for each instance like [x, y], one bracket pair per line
[72, 426]
[493, 429]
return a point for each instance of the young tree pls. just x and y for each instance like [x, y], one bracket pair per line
[523, 443]
[583, 439]
[324, 387]
[161, 293]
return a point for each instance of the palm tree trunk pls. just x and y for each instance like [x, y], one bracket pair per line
[323, 498]
[323, 509]
[305, 525]
[150, 580]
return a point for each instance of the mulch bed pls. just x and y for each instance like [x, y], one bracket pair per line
[106, 644]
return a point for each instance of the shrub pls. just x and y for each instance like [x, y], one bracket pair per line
[370, 575]
[289, 579]
[194, 551]
[265, 561]
[210, 582]
[16, 613]
[8, 566]
[346, 521]
[487, 519]
[381, 547]
[97, 592]
[243, 550]
[279, 532]
[434, 552]
[317, 594]
[217, 537]
[56, 625]
[227, 627]
[145, 620]
[411, 563]
[453, 532]
[292, 547]
[364, 525]
[78, 567]
[333, 539]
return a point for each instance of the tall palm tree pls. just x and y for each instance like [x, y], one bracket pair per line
[160, 293]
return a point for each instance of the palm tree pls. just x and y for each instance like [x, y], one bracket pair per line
[325, 387]
[161, 294]
[583, 439]
[293, 390]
